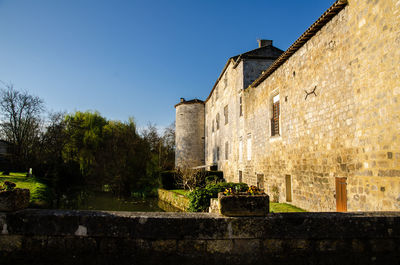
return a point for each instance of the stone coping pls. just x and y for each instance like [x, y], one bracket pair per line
[200, 225]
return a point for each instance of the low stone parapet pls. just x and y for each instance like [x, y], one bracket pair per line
[94, 237]
[177, 200]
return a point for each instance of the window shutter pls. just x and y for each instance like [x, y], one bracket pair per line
[275, 119]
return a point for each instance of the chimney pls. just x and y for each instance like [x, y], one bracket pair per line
[182, 100]
[263, 43]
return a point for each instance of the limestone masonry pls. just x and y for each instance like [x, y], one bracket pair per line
[37, 236]
[318, 125]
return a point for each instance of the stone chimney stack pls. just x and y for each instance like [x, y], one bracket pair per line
[263, 43]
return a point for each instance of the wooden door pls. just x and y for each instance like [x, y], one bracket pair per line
[288, 179]
[341, 195]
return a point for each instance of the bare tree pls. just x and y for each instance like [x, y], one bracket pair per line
[190, 178]
[20, 122]
[168, 147]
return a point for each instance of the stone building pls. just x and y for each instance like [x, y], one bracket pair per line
[318, 125]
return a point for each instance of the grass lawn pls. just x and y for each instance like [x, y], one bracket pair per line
[275, 207]
[182, 192]
[39, 190]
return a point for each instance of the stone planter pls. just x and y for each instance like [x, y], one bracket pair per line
[243, 204]
[14, 200]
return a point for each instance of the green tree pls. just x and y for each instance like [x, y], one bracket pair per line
[124, 158]
[50, 165]
[85, 138]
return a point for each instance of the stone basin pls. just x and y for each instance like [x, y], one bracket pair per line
[243, 204]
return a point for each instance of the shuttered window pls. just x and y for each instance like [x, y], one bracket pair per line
[275, 116]
[240, 106]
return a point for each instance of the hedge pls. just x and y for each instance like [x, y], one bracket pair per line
[199, 199]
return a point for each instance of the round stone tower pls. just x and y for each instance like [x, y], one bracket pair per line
[189, 133]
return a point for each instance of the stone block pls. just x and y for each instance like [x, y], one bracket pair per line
[219, 246]
[273, 245]
[14, 200]
[164, 246]
[11, 243]
[191, 247]
[243, 204]
[247, 246]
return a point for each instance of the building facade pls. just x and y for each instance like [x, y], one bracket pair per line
[319, 125]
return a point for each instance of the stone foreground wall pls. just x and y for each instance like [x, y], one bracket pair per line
[90, 237]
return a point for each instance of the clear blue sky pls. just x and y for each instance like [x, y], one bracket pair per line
[136, 58]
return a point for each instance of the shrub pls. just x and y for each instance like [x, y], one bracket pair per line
[213, 177]
[191, 178]
[199, 199]
[8, 186]
[168, 179]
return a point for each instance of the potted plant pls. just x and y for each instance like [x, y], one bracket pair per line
[254, 202]
[12, 198]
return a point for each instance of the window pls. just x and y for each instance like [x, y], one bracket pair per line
[217, 120]
[240, 149]
[226, 114]
[240, 106]
[275, 116]
[226, 150]
[217, 153]
[212, 126]
[240, 176]
[216, 93]
[249, 147]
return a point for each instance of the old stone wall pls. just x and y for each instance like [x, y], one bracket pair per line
[217, 135]
[92, 237]
[222, 143]
[189, 134]
[348, 129]
[176, 200]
